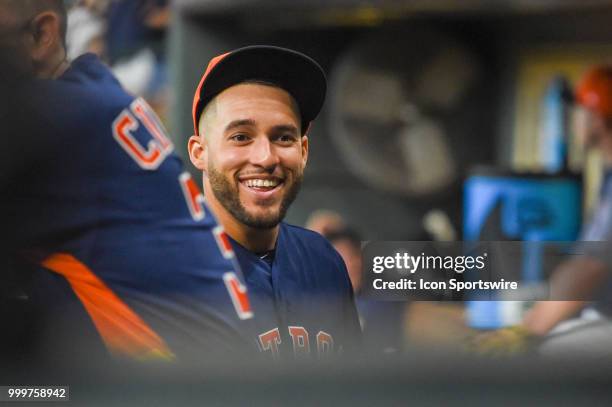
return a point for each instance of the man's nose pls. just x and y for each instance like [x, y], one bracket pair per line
[262, 153]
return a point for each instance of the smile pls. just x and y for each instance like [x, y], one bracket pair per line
[262, 183]
[262, 187]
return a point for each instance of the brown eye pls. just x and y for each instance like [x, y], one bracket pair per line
[240, 138]
[286, 138]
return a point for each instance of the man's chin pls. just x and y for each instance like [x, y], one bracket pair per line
[262, 220]
[262, 223]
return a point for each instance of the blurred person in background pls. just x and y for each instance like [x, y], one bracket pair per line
[324, 221]
[251, 114]
[381, 321]
[136, 25]
[86, 28]
[347, 243]
[129, 35]
[136, 48]
[111, 245]
[584, 277]
[16, 318]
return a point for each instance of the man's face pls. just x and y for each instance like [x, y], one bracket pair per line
[592, 130]
[254, 155]
[14, 42]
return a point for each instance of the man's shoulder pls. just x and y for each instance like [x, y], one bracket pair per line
[88, 69]
[87, 85]
[86, 98]
[310, 242]
[305, 235]
[317, 257]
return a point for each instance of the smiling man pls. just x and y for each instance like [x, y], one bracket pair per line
[252, 111]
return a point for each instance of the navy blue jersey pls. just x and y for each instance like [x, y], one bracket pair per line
[303, 299]
[128, 254]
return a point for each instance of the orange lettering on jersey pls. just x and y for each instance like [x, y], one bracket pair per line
[301, 343]
[238, 294]
[157, 148]
[223, 242]
[193, 196]
[325, 343]
[147, 117]
[124, 333]
[270, 341]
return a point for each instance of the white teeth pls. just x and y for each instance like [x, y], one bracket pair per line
[261, 183]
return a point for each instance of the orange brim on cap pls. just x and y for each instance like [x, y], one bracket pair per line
[293, 71]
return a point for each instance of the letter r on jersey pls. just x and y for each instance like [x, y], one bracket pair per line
[301, 343]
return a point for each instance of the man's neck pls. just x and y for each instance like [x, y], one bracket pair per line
[54, 68]
[255, 240]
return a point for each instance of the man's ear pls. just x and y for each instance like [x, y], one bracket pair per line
[197, 153]
[47, 35]
[305, 145]
[304, 150]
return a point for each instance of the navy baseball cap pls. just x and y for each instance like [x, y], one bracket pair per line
[298, 74]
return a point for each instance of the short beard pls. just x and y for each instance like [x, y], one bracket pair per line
[227, 194]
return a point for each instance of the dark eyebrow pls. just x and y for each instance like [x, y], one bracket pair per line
[249, 122]
[239, 123]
